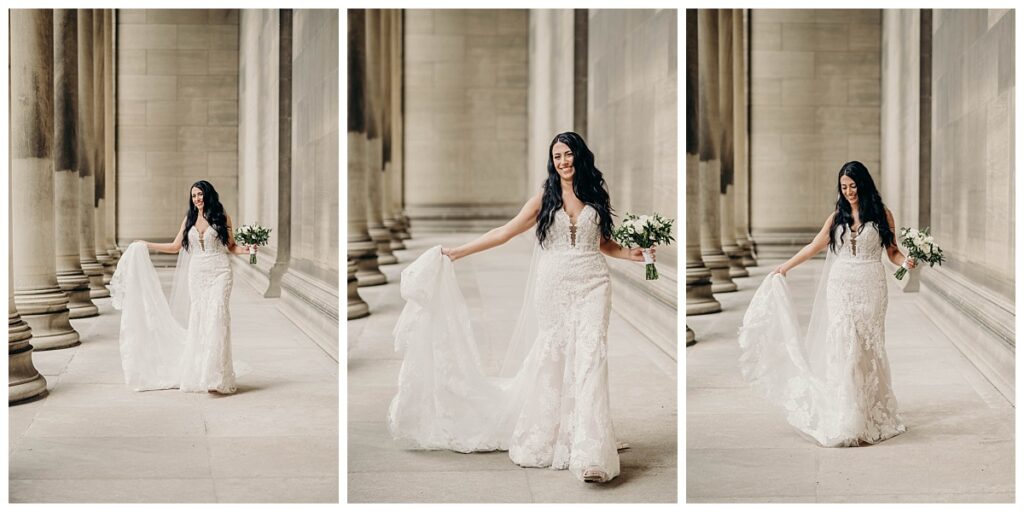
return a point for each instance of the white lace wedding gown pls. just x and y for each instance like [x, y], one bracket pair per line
[191, 352]
[833, 383]
[554, 411]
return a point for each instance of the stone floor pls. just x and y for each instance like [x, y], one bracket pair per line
[959, 446]
[643, 396]
[92, 439]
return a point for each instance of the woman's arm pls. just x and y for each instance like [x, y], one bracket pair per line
[612, 248]
[170, 247]
[524, 220]
[819, 243]
[893, 251]
[232, 246]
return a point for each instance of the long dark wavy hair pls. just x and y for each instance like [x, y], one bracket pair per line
[870, 206]
[212, 210]
[587, 183]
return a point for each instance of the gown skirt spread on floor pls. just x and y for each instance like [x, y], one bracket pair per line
[553, 409]
[833, 383]
[189, 351]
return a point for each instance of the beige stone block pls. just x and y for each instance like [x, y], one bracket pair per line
[771, 64]
[847, 64]
[131, 163]
[511, 74]
[865, 36]
[148, 88]
[511, 128]
[434, 48]
[758, 16]
[782, 119]
[418, 74]
[867, 16]
[222, 163]
[148, 37]
[208, 87]
[176, 62]
[510, 101]
[131, 113]
[222, 113]
[176, 16]
[864, 92]
[223, 37]
[767, 147]
[223, 16]
[766, 91]
[865, 147]
[131, 62]
[191, 37]
[131, 16]
[814, 36]
[418, 21]
[814, 91]
[145, 138]
[175, 163]
[513, 21]
[450, 21]
[766, 37]
[480, 22]
[223, 62]
[815, 147]
[847, 120]
[430, 99]
[207, 139]
[480, 72]
[176, 113]
[449, 74]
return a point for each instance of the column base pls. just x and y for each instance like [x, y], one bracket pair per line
[76, 285]
[735, 255]
[368, 272]
[691, 338]
[46, 313]
[357, 307]
[393, 227]
[94, 271]
[721, 281]
[382, 239]
[24, 382]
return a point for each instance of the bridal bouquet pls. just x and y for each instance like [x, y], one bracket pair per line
[644, 232]
[920, 246]
[252, 235]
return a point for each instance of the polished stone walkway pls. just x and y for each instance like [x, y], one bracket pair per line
[959, 446]
[643, 396]
[94, 440]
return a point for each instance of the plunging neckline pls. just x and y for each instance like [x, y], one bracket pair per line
[573, 222]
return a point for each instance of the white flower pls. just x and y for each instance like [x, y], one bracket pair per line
[644, 219]
[913, 232]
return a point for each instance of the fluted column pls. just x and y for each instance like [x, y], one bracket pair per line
[362, 253]
[100, 146]
[393, 205]
[710, 165]
[86, 156]
[65, 179]
[110, 176]
[375, 138]
[398, 131]
[37, 296]
[23, 380]
[699, 298]
[741, 135]
[727, 146]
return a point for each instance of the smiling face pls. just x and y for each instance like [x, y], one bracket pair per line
[848, 187]
[197, 198]
[562, 157]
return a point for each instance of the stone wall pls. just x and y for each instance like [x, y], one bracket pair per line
[632, 130]
[551, 93]
[177, 115]
[815, 92]
[465, 117]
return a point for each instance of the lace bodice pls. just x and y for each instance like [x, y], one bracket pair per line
[863, 246]
[584, 235]
[206, 243]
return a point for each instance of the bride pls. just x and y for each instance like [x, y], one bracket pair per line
[833, 382]
[549, 406]
[185, 344]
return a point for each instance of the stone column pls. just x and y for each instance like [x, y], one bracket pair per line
[710, 165]
[394, 172]
[37, 295]
[100, 145]
[699, 299]
[23, 380]
[375, 97]
[727, 146]
[362, 253]
[741, 135]
[65, 180]
[110, 176]
[85, 156]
